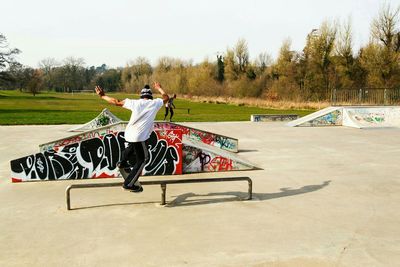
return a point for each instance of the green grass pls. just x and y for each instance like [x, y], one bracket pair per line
[58, 108]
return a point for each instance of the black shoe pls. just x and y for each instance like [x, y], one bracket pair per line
[134, 188]
[126, 187]
[137, 189]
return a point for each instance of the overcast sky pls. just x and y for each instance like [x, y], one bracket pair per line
[115, 32]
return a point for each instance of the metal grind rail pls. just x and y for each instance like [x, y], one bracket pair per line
[163, 184]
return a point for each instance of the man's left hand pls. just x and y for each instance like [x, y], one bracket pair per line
[99, 91]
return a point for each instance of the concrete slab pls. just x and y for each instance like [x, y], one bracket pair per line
[325, 197]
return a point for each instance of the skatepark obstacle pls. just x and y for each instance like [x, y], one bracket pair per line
[174, 149]
[273, 117]
[163, 184]
[104, 118]
[352, 116]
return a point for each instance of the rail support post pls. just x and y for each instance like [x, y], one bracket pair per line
[250, 190]
[67, 195]
[163, 193]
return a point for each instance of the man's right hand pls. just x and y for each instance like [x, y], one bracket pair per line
[99, 91]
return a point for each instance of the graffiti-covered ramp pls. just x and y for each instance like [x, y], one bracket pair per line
[103, 119]
[95, 153]
[331, 116]
[372, 117]
[352, 116]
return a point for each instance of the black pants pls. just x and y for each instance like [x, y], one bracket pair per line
[137, 155]
[171, 110]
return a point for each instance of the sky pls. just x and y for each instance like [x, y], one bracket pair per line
[117, 32]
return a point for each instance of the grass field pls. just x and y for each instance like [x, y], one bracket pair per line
[61, 108]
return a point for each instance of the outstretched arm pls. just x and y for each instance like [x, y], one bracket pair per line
[164, 95]
[111, 100]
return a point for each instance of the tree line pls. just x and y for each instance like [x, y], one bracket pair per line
[327, 61]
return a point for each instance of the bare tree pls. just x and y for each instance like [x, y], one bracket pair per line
[343, 57]
[136, 74]
[344, 41]
[35, 82]
[74, 62]
[242, 54]
[284, 63]
[6, 56]
[74, 73]
[319, 49]
[385, 27]
[231, 65]
[384, 48]
[48, 64]
[262, 61]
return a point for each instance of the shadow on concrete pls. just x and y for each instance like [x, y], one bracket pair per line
[212, 198]
[247, 150]
[114, 204]
[183, 200]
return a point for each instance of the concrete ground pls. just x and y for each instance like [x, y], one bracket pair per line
[325, 197]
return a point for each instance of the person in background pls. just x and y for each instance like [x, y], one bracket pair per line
[169, 106]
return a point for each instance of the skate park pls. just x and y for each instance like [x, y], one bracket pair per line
[322, 196]
[216, 134]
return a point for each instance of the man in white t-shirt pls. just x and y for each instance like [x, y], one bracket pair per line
[138, 130]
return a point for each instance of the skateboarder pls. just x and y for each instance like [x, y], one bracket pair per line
[138, 130]
[168, 106]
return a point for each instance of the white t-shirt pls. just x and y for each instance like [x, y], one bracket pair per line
[141, 122]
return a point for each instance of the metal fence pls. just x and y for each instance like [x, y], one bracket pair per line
[366, 96]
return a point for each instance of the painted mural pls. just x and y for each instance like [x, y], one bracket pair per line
[333, 118]
[371, 118]
[196, 159]
[367, 116]
[96, 157]
[165, 148]
[216, 140]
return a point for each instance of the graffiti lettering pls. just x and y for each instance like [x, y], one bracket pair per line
[332, 118]
[224, 142]
[219, 141]
[220, 164]
[204, 159]
[163, 158]
[371, 118]
[95, 157]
